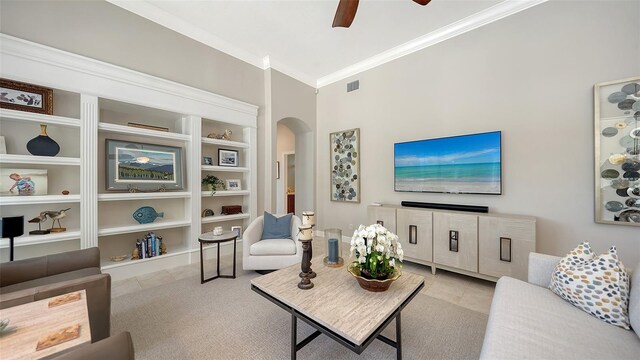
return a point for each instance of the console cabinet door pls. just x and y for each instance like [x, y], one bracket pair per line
[415, 233]
[453, 232]
[504, 245]
[384, 215]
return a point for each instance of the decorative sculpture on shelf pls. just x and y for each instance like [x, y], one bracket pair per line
[225, 136]
[146, 215]
[38, 220]
[56, 216]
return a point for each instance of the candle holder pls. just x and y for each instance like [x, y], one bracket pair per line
[305, 238]
[333, 248]
[309, 218]
[312, 274]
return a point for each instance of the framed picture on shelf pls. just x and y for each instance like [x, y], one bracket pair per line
[207, 161]
[227, 157]
[16, 95]
[23, 181]
[233, 184]
[143, 167]
[238, 230]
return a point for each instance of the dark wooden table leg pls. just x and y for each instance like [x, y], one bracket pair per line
[398, 337]
[234, 258]
[218, 262]
[294, 334]
[201, 265]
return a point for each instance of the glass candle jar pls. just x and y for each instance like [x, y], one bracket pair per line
[333, 247]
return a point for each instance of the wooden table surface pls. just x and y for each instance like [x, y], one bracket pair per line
[31, 321]
[336, 300]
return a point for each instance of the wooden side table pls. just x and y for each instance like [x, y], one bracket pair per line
[209, 238]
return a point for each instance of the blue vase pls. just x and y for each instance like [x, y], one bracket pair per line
[43, 145]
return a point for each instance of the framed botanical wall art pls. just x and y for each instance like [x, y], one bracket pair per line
[146, 167]
[344, 147]
[617, 152]
[25, 97]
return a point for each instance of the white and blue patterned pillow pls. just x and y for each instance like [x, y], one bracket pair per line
[598, 285]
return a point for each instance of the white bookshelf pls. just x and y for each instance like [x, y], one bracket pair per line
[38, 200]
[14, 159]
[90, 111]
[219, 193]
[128, 130]
[27, 117]
[223, 218]
[226, 143]
[238, 169]
[26, 240]
[127, 196]
[129, 229]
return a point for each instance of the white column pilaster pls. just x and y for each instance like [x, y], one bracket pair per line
[89, 117]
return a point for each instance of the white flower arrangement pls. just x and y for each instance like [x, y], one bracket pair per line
[376, 250]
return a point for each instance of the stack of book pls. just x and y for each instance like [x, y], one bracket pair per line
[150, 246]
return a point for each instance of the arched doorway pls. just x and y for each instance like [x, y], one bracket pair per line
[295, 137]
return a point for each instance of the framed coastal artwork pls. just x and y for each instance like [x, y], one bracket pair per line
[143, 167]
[617, 152]
[344, 147]
[21, 96]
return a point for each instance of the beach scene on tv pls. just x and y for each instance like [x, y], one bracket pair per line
[460, 164]
[145, 165]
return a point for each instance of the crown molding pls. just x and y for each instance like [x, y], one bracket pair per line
[170, 21]
[485, 17]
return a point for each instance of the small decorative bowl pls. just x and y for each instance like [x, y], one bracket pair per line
[119, 257]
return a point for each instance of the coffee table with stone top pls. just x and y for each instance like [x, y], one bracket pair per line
[337, 306]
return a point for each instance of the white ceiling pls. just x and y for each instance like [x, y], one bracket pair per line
[296, 37]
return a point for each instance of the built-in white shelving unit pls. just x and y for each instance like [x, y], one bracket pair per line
[98, 105]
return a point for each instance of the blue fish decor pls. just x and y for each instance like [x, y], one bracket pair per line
[146, 215]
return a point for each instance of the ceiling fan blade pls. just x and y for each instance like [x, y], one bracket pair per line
[422, 2]
[345, 13]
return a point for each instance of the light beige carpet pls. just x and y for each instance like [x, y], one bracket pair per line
[225, 319]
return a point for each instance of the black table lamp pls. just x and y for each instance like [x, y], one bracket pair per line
[12, 227]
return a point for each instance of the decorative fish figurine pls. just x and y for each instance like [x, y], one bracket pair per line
[146, 215]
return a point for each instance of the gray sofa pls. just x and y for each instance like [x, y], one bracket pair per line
[528, 321]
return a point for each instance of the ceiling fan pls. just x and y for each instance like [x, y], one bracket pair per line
[347, 11]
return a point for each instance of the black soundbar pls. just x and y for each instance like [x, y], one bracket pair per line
[471, 208]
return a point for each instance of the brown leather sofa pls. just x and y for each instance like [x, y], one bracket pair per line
[117, 347]
[42, 277]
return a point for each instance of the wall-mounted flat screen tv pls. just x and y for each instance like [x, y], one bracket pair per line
[465, 164]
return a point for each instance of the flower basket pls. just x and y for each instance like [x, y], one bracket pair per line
[378, 257]
[373, 285]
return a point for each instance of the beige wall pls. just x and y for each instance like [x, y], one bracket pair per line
[531, 76]
[293, 103]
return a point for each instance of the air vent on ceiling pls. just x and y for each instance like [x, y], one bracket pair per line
[354, 85]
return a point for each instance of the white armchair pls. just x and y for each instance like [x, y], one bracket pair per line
[270, 254]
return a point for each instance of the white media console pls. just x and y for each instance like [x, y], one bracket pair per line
[486, 246]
